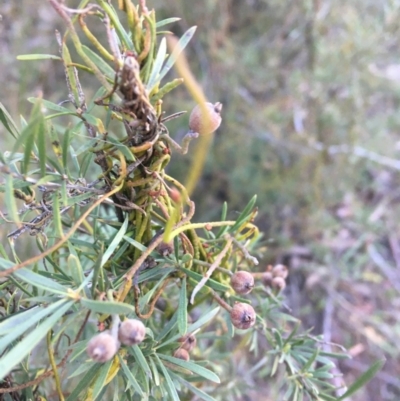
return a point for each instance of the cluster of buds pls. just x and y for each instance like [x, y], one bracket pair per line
[188, 342]
[243, 315]
[103, 346]
[275, 277]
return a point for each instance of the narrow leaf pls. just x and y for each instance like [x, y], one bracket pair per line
[193, 367]
[129, 377]
[25, 346]
[363, 379]
[180, 46]
[182, 309]
[115, 242]
[26, 57]
[170, 384]
[107, 307]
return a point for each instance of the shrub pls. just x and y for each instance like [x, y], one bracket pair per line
[116, 245]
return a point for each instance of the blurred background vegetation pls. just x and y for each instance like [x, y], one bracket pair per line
[310, 123]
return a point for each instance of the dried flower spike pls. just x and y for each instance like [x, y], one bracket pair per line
[242, 282]
[188, 342]
[131, 332]
[203, 123]
[280, 271]
[278, 283]
[102, 347]
[243, 316]
[182, 354]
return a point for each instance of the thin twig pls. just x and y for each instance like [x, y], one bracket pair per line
[67, 236]
[211, 269]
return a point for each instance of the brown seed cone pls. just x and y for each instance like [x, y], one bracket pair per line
[188, 342]
[131, 332]
[243, 316]
[182, 354]
[267, 279]
[203, 123]
[278, 283]
[280, 271]
[242, 282]
[102, 347]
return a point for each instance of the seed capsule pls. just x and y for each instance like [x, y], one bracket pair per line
[131, 332]
[267, 279]
[102, 347]
[206, 119]
[278, 283]
[280, 271]
[188, 342]
[182, 354]
[242, 282]
[243, 315]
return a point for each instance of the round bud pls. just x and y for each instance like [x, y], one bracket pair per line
[102, 347]
[267, 279]
[280, 271]
[131, 332]
[278, 283]
[205, 119]
[243, 315]
[182, 354]
[188, 342]
[242, 282]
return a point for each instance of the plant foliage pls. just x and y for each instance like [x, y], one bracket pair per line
[115, 238]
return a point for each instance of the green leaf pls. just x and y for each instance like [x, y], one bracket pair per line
[11, 202]
[243, 216]
[180, 46]
[75, 269]
[107, 307]
[182, 309]
[8, 122]
[50, 105]
[158, 62]
[100, 381]
[41, 144]
[170, 384]
[193, 367]
[363, 379]
[17, 325]
[201, 394]
[26, 57]
[34, 279]
[9, 323]
[122, 34]
[138, 354]
[26, 345]
[167, 21]
[84, 383]
[193, 327]
[129, 377]
[103, 66]
[210, 282]
[115, 242]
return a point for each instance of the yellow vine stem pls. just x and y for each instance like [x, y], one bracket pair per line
[77, 43]
[54, 367]
[101, 49]
[182, 228]
[66, 237]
